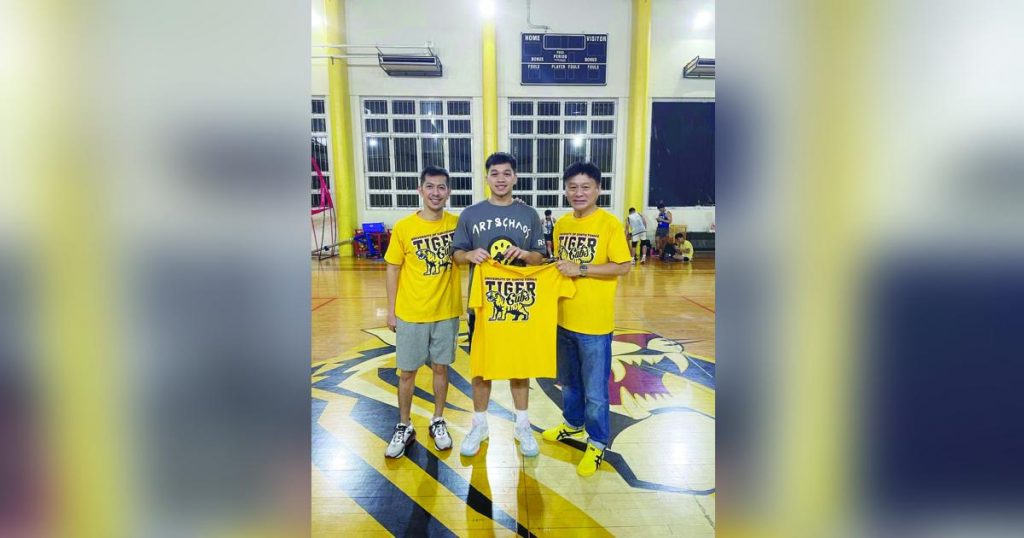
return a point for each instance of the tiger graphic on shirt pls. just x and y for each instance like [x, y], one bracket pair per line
[435, 251]
[577, 248]
[510, 297]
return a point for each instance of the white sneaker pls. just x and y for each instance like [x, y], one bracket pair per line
[403, 438]
[643, 259]
[439, 431]
[477, 435]
[527, 442]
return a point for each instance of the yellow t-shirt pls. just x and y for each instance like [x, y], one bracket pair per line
[594, 240]
[516, 315]
[428, 286]
[686, 249]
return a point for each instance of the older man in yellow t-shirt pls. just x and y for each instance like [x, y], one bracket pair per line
[591, 247]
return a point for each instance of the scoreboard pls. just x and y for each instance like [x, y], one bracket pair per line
[565, 59]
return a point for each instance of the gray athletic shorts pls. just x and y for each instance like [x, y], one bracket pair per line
[422, 343]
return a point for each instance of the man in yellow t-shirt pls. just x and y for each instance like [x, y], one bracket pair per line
[592, 248]
[424, 304]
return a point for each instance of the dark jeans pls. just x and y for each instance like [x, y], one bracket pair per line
[584, 367]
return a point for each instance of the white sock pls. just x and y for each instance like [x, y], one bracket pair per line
[522, 418]
[480, 418]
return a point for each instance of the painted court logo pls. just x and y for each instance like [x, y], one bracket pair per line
[577, 248]
[510, 297]
[435, 251]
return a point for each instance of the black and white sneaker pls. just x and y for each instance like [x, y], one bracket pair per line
[404, 434]
[439, 431]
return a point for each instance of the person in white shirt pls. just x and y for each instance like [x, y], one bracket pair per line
[636, 228]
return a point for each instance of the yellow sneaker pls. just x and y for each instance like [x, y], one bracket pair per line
[562, 431]
[591, 461]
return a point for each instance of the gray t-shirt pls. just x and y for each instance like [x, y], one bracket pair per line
[495, 227]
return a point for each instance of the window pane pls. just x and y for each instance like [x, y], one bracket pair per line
[548, 184]
[408, 200]
[604, 200]
[380, 183]
[522, 148]
[319, 144]
[565, 202]
[526, 198]
[547, 155]
[319, 125]
[522, 126]
[431, 108]
[576, 108]
[575, 150]
[380, 200]
[603, 108]
[318, 106]
[461, 200]
[606, 182]
[407, 183]
[461, 183]
[524, 183]
[458, 108]
[375, 106]
[433, 151]
[458, 126]
[431, 126]
[376, 126]
[378, 155]
[403, 107]
[522, 108]
[547, 126]
[404, 126]
[601, 153]
[316, 200]
[460, 155]
[575, 126]
[602, 126]
[547, 200]
[405, 155]
[548, 108]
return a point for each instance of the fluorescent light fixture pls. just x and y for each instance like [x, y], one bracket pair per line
[318, 21]
[699, 68]
[373, 142]
[577, 141]
[703, 19]
[487, 8]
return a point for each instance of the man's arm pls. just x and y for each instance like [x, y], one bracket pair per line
[392, 286]
[569, 268]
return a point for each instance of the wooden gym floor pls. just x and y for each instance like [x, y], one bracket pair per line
[658, 478]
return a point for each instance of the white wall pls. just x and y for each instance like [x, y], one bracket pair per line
[455, 26]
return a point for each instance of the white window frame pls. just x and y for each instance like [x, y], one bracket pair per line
[532, 194]
[325, 137]
[465, 195]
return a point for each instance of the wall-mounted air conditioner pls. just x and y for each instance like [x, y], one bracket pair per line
[700, 68]
[403, 65]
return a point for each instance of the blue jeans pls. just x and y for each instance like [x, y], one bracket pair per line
[584, 367]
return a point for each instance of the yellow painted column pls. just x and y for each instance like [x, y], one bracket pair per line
[639, 97]
[341, 125]
[490, 94]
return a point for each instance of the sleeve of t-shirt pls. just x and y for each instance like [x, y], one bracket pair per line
[536, 239]
[462, 240]
[618, 249]
[476, 286]
[396, 248]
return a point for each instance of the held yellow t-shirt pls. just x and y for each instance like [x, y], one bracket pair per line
[593, 240]
[428, 286]
[686, 249]
[516, 320]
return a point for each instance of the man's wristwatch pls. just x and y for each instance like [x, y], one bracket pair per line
[583, 269]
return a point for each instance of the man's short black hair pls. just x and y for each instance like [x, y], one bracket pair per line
[661, 205]
[632, 210]
[431, 170]
[679, 236]
[500, 157]
[586, 168]
[547, 212]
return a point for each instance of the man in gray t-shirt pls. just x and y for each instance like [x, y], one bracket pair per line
[510, 232]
